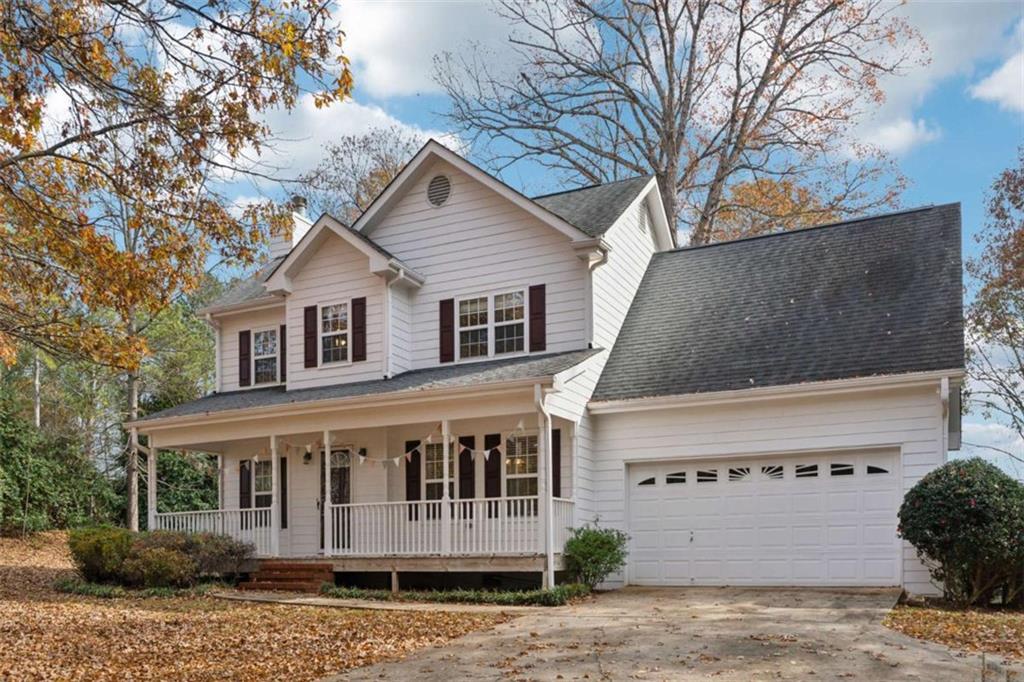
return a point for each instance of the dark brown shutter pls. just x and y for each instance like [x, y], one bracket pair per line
[282, 353]
[309, 336]
[245, 484]
[448, 330]
[467, 472]
[284, 492]
[492, 467]
[358, 329]
[244, 358]
[412, 478]
[412, 472]
[538, 319]
[556, 462]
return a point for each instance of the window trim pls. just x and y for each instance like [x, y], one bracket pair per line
[320, 364]
[253, 357]
[491, 325]
[267, 493]
[505, 477]
[453, 476]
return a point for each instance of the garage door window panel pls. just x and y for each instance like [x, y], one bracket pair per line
[707, 476]
[841, 469]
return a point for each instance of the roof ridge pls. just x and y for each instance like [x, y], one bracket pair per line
[593, 186]
[837, 223]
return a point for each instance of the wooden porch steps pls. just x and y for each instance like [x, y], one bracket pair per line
[288, 576]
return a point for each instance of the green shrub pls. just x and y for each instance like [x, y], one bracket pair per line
[592, 553]
[221, 555]
[159, 567]
[966, 520]
[100, 553]
[556, 596]
[86, 589]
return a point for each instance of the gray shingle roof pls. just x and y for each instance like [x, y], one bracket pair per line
[594, 209]
[248, 289]
[867, 297]
[447, 376]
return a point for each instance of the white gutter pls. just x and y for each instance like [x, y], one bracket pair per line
[767, 392]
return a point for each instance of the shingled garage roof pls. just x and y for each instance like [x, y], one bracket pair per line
[449, 376]
[594, 209]
[867, 297]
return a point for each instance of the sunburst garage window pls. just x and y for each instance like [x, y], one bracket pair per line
[264, 352]
[334, 333]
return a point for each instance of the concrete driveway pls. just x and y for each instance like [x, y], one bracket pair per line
[691, 634]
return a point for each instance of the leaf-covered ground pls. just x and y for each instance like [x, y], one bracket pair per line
[993, 632]
[45, 635]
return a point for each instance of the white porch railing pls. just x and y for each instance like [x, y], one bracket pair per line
[507, 525]
[247, 525]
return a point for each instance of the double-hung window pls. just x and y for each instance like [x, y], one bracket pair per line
[521, 466]
[492, 325]
[434, 471]
[263, 482]
[334, 333]
[264, 353]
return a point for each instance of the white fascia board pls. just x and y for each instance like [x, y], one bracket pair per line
[261, 303]
[395, 399]
[809, 389]
[666, 234]
[434, 149]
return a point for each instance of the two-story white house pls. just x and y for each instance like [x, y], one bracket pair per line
[454, 381]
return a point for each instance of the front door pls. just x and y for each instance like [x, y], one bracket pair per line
[341, 493]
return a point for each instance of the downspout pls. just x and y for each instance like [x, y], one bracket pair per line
[944, 398]
[592, 265]
[548, 503]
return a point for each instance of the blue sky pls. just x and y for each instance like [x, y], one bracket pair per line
[952, 125]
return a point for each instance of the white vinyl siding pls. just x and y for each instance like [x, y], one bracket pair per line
[908, 420]
[615, 282]
[336, 273]
[480, 242]
[230, 325]
[401, 331]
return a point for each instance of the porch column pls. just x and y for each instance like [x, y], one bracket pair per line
[446, 511]
[151, 483]
[544, 490]
[326, 504]
[275, 499]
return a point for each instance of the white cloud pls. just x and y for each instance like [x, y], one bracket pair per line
[991, 441]
[1005, 85]
[301, 134]
[959, 35]
[392, 44]
[901, 135]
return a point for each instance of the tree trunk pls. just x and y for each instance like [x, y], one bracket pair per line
[132, 467]
[38, 395]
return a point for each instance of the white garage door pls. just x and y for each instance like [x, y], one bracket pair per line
[809, 520]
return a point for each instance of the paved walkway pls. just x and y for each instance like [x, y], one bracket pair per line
[693, 634]
[369, 604]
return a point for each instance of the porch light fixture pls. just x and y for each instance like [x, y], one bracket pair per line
[307, 456]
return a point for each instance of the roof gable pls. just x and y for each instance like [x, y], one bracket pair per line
[421, 163]
[380, 260]
[869, 297]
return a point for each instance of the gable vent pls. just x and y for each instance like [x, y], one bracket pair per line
[439, 189]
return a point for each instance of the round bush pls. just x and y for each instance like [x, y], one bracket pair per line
[966, 520]
[159, 567]
[592, 553]
[99, 553]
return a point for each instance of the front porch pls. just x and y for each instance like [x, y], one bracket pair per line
[416, 497]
